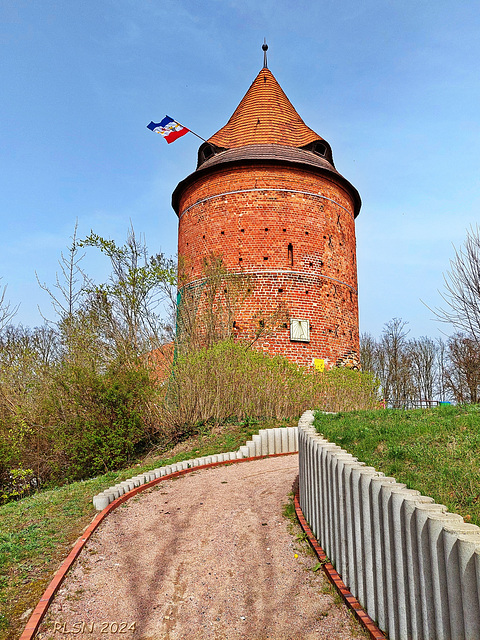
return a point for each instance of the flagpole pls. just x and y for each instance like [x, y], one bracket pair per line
[182, 125]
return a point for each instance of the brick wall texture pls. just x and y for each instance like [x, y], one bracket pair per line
[290, 229]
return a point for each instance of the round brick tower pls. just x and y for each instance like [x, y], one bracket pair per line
[267, 198]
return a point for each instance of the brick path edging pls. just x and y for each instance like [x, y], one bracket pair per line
[350, 600]
[45, 601]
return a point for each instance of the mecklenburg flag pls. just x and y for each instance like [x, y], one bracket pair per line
[168, 128]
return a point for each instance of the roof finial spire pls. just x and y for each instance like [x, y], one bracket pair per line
[265, 48]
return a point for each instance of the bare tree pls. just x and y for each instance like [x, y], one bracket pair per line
[68, 292]
[129, 303]
[6, 310]
[213, 308]
[422, 355]
[207, 311]
[462, 288]
[442, 390]
[368, 353]
[394, 364]
[462, 376]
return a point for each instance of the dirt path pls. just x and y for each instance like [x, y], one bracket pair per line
[206, 556]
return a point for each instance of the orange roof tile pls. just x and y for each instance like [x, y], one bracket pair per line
[264, 116]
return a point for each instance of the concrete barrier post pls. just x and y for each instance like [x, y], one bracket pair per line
[366, 533]
[344, 461]
[278, 440]
[292, 438]
[358, 526]
[264, 442]
[270, 441]
[337, 519]
[435, 527]
[412, 579]
[455, 576]
[391, 576]
[257, 440]
[379, 550]
[302, 481]
[468, 558]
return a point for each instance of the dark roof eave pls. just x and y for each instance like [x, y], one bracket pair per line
[332, 173]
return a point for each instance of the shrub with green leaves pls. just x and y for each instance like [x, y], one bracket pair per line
[98, 420]
[229, 379]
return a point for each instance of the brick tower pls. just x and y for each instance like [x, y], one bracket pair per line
[266, 197]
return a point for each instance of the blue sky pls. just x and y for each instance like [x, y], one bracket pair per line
[394, 86]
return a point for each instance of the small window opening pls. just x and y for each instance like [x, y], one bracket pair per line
[208, 152]
[319, 148]
[306, 233]
[290, 254]
[284, 230]
[222, 232]
[265, 257]
[240, 259]
[204, 237]
[280, 291]
[242, 230]
[266, 228]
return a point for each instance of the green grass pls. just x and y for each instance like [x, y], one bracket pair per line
[38, 532]
[436, 451]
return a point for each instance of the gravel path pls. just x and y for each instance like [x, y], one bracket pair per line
[206, 556]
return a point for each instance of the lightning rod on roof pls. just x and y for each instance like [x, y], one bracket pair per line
[265, 49]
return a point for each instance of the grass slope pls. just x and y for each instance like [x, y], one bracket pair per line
[436, 451]
[38, 532]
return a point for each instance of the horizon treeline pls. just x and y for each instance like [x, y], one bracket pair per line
[422, 372]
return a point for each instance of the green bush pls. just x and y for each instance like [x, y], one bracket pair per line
[15, 484]
[229, 379]
[87, 415]
[99, 421]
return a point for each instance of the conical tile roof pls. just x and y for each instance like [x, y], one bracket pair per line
[264, 116]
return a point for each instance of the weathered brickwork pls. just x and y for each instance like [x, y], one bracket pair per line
[290, 228]
[332, 315]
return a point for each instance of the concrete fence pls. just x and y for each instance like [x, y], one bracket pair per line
[267, 442]
[414, 567]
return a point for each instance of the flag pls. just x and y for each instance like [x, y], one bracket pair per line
[168, 128]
